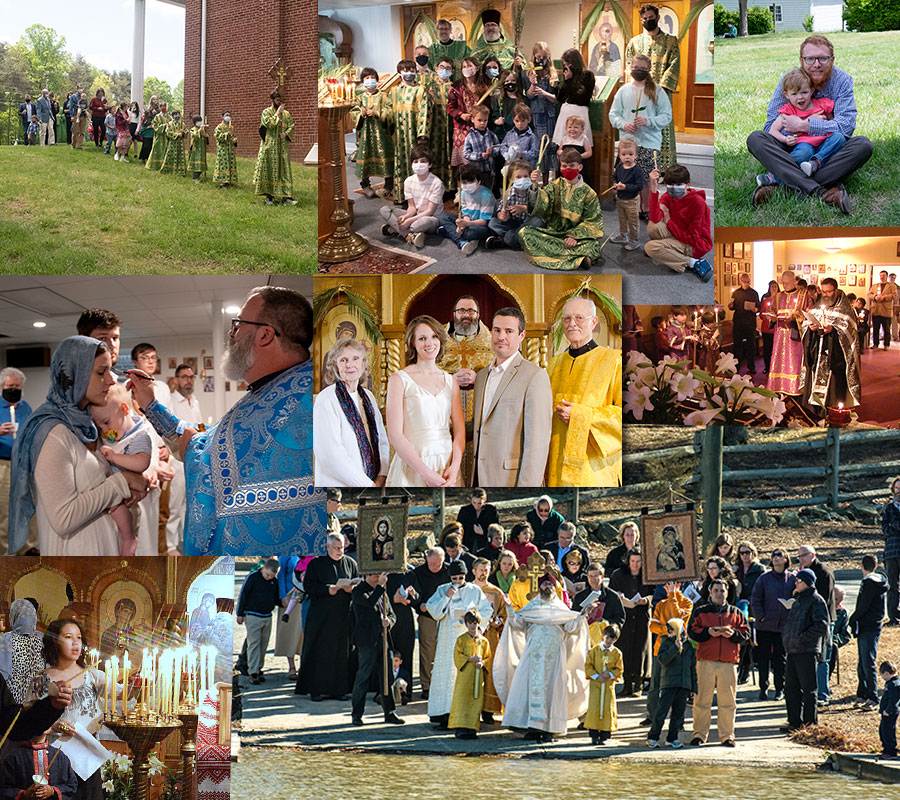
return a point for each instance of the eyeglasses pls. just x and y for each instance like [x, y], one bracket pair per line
[468, 312]
[778, 555]
[185, 377]
[745, 552]
[578, 319]
[235, 321]
[816, 59]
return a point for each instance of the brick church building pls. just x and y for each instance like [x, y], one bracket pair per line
[248, 43]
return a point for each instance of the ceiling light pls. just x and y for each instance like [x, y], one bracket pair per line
[832, 248]
[232, 309]
[39, 324]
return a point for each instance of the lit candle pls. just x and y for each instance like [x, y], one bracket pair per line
[106, 692]
[126, 666]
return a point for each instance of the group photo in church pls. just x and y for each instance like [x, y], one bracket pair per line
[489, 380]
[115, 677]
[497, 127]
[116, 393]
[788, 342]
[182, 132]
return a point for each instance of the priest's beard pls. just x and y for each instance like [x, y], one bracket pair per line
[238, 358]
[546, 593]
[466, 327]
[494, 37]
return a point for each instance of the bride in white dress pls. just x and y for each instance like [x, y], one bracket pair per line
[425, 422]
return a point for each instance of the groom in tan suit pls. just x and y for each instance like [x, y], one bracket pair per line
[512, 413]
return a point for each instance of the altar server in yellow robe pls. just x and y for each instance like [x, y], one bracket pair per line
[470, 655]
[586, 379]
[603, 668]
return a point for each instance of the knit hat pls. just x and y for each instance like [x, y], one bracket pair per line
[807, 576]
[677, 624]
[457, 568]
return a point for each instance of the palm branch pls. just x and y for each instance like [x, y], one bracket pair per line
[621, 17]
[691, 17]
[518, 18]
[606, 302]
[355, 305]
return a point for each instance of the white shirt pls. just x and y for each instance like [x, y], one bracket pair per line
[161, 392]
[186, 408]
[431, 190]
[495, 375]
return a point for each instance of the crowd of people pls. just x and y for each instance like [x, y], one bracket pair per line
[519, 437]
[496, 128]
[103, 439]
[159, 136]
[546, 632]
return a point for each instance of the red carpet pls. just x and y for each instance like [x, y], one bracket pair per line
[379, 260]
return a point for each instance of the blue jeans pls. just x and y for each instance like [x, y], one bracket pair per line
[867, 647]
[110, 142]
[805, 151]
[823, 690]
[509, 230]
[447, 229]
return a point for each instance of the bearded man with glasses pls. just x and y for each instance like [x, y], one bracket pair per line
[829, 82]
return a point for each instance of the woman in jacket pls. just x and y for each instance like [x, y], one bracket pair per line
[769, 612]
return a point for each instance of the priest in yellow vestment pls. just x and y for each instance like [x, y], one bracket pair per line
[586, 437]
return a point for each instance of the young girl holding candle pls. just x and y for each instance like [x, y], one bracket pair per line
[65, 651]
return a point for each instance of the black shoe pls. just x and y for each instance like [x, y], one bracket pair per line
[393, 719]
[729, 743]
[262, 678]
[387, 230]
[595, 738]
[763, 695]
[424, 694]
[696, 741]
[254, 679]
[546, 736]
[644, 216]
[342, 697]
[493, 242]
[487, 717]
[645, 722]
[533, 736]
[357, 721]
[779, 696]
[284, 617]
[789, 728]
[317, 698]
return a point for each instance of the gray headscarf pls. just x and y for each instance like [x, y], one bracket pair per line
[23, 622]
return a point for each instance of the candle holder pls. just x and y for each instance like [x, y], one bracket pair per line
[189, 719]
[343, 244]
[141, 736]
[838, 416]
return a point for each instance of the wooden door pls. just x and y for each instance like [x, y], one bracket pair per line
[699, 85]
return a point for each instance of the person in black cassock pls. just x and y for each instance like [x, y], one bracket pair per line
[475, 519]
[373, 618]
[403, 591]
[635, 639]
[31, 758]
[608, 605]
[325, 668]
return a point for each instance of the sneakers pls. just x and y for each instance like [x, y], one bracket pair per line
[620, 239]
[762, 195]
[493, 242]
[645, 722]
[469, 247]
[703, 270]
[779, 696]
[357, 721]
[766, 179]
[809, 167]
[762, 695]
[652, 743]
[369, 192]
[632, 246]
[416, 239]
[837, 196]
[387, 230]
[676, 744]
[116, 157]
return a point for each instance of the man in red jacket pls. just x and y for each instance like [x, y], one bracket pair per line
[679, 226]
[718, 629]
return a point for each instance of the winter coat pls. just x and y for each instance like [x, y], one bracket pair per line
[770, 587]
[890, 527]
[824, 585]
[718, 648]
[678, 670]
[871, 604]
[806, 625]
[749, 580]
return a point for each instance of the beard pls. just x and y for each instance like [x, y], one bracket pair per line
[493, 37]
[818, 84]
[546, 592]
[188, 391]
[238, 358]
[466, 327]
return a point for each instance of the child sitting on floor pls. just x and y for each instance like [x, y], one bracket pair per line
[374, 146]
[603, 668]
[481, 146]
[679, 224]
[628, 180]
[573, 222]
[424, 193]
[520, 144]
[476, 207]
[514, 213]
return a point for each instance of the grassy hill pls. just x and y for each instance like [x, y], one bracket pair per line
[66, 212]
[747, 72]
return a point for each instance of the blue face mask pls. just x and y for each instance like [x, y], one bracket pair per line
[493, 72]
[677, 190]
[522, 183]
[443, 74]
[370, 83]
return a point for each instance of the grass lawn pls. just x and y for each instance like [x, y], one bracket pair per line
[747, 72]
[68, 212]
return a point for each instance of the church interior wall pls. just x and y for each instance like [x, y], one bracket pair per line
[377, 35]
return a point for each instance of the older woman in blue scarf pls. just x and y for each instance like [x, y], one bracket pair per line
[58, 473]
[21, 650]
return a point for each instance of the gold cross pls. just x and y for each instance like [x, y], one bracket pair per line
[536, 568]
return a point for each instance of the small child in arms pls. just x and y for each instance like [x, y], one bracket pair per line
[809, 151]
[127, 446]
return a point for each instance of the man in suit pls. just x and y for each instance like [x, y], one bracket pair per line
[564, 544]
[45, 116]
[512, 413]
[26, 110]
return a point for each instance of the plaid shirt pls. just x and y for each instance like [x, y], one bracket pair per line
[520, 197]
[839, 88]
[890, 527]
[477, 142]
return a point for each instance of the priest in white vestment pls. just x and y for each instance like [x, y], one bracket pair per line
[448, 605]
[539, 665]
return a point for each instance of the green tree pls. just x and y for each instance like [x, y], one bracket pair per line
[872, 15]
[101, 81]
[120, 86]
[178, 96]
[158, 87]
[12, 71]
[80, 71]
[45, 58]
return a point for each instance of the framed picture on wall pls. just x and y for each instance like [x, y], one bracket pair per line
[823, 268]
[813, 280]
[728, 249]
[843, 269]
[806, 269]
[843, 280]
[852, 268]
[861, 282]
[851, 280]
[739, 249]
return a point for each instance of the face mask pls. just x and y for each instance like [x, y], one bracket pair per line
[12, 396]
[650, 24]
[419, 168]
[469, 72]
[444, 74]
[492, 72]
[540, 61]
[227, 119]
[408, 76]
[469, 188]
[569, 173]
[176, 116]
[677, 190]
[198, 124]
[640, 74]
[370, 83]
[421, 60]
[522, 183]
[509, 87]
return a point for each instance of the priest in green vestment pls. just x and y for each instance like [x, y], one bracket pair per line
[445, 47]
[272, 176]
[492, 42]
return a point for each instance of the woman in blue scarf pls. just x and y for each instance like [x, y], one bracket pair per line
[58, 474]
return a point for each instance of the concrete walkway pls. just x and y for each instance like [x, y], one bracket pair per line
[273, 716]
